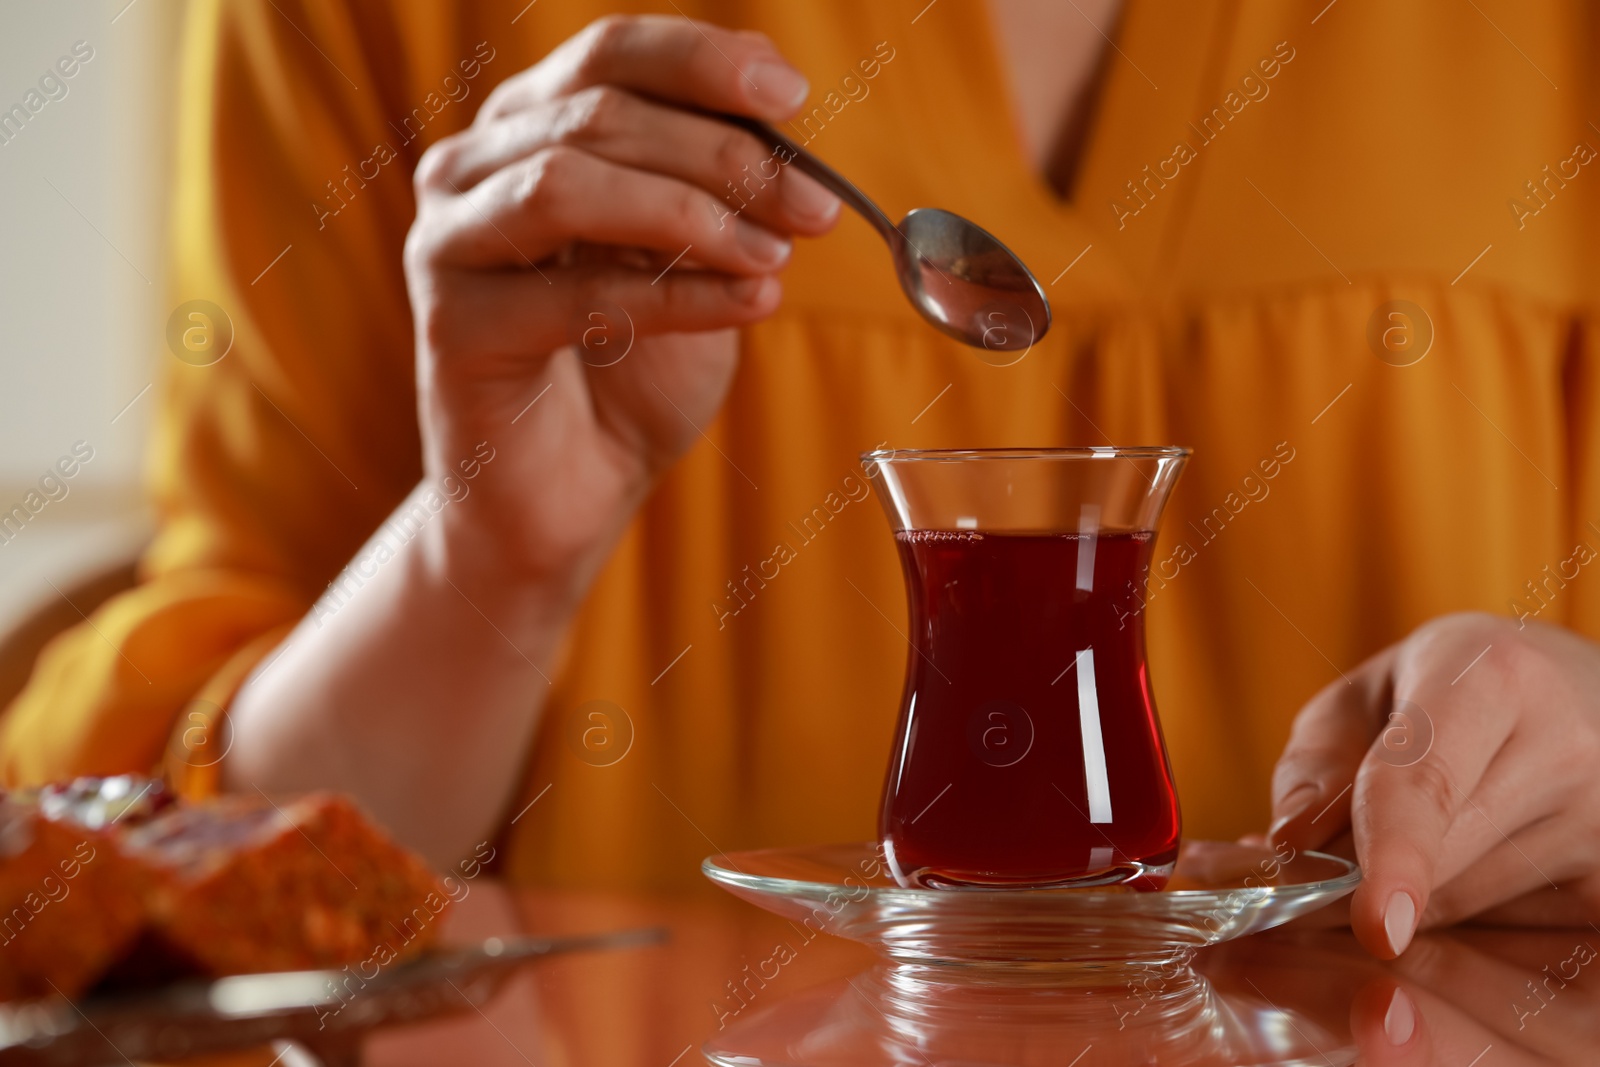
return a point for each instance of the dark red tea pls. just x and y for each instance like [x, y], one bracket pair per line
[1032, 754]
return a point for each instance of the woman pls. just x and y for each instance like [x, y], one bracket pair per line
[636, 355]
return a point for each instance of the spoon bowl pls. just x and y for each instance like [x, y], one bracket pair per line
[958, 276]
[968, 284]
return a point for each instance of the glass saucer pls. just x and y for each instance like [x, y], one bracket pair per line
[1218, 891]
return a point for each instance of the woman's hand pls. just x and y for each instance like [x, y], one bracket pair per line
[587, 236]
[1465, 764]
[572, 261]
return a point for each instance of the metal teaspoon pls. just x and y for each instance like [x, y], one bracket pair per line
[956, 274]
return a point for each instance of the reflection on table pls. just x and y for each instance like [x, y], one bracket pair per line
[751, 988]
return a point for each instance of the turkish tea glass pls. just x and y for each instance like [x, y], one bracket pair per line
[1028, 753]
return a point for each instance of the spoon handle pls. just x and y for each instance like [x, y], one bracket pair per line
[832, 180]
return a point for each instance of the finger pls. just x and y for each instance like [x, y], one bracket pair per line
[1331, 736]
[1511, 836]
[518, 314]
[667, 57]
[1509, 802]
[1388, 1026]
[1403, 806]
[528, 210]
[1538, 857]
[749, 178]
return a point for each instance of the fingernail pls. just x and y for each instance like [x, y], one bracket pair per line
[806, 197]
[1400, 1021]
[1298, 800]
[778, 82]
[1399, 922]
[762, 246]
[747, 290]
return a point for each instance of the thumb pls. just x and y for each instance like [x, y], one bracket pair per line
[1312, 781]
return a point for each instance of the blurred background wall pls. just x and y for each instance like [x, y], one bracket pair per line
[83, 304]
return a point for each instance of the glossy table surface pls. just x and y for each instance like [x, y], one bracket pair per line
[754, 989]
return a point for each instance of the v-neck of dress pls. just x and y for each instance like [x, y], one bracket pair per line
[1151, 89]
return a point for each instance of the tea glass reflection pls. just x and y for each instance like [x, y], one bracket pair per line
[1028, 753]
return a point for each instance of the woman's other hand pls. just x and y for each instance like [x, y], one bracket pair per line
[1464, 762]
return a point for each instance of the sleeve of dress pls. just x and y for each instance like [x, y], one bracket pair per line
[287, 423]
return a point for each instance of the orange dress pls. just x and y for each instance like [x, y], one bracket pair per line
[1260, 184]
